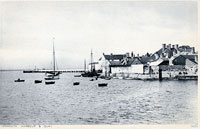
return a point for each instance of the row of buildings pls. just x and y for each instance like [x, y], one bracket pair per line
[172, 60]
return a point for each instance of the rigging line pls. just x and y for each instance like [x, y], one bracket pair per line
[56, 64]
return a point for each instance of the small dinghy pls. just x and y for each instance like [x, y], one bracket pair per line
[76, 83]
[91, 79]
[19, 80]
[77, 75]
[51, 82]
[102, 84]
[107, 78]
[38, 81]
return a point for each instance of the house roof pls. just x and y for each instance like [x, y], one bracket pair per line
[114, 57]
[156, 63]
[185, 48]
[145, 59]
[191, 57]
[117, 64]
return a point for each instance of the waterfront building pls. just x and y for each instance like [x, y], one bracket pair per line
[172, 60]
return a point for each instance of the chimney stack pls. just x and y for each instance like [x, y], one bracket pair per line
[127, 54]
[131, 54]
[196, 58]
[176, 46]
[163, 47]
[169, 46]
[193, 50]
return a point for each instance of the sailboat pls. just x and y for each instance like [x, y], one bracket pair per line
[53, 75]
[92, 72]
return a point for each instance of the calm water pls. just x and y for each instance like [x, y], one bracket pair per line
[121, 102]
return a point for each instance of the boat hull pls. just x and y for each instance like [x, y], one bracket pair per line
[49, 83]
[102, 84]
[19, 80]
[51, 78]
[76, 83]
[38, 81]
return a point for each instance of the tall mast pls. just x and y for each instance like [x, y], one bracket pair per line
[54, 63]
[84, 65]
[91, 59]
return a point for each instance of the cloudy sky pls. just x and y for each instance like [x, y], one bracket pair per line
[27, 30]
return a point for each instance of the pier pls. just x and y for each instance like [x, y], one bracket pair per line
[62, 71]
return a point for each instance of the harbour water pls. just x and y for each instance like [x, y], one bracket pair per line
[121, 102]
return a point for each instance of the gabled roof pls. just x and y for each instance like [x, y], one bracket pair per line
[156, 63]
[185, 48]
[136, 60]
[191, 57]
[145, 59]
[114, 57]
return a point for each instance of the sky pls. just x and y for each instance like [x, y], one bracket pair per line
[27, 30]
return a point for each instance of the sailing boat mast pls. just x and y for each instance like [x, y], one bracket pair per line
[84, 65]
[91, 60]
[54, 64]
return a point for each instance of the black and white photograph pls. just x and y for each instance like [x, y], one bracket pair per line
[99, 63]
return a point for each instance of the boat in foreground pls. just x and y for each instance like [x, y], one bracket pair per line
[19, 80]
[38, 81]
[76, 83]
[77, 75]
[52, 78]
[51, 82]
[102, 84]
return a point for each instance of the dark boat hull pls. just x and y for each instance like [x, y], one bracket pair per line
[19, 80]
[76, 83]
[77, 75]
[187, 77]
[38, 81]
[51, 78]
[102, 84]
[48, 83]
[90, 74]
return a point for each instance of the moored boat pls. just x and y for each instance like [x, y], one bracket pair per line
[102, 84]
[77, 75]
[92, 79]
[38, 81]
[53, 75]
[19, 80]
[188, 77]
[76, 83]
[92, 72]
[51, 82]
[52, 78]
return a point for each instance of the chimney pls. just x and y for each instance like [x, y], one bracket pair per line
[193, 50]
[127, 54]
[131, 54]
[176, 46]
[196, 58]
[169, 46]
[163, 47]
